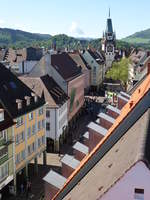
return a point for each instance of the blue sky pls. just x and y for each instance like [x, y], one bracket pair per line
[79, 18]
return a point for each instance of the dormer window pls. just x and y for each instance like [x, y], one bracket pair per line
[139, 194]
[35, 97]
[19, 103]
[1, 115]
[41, 111]
[27, 100]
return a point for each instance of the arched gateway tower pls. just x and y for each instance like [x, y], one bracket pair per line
[109, 43]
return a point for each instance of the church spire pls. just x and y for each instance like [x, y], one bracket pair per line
[109, 13]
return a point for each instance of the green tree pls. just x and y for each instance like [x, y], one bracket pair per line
[119, 71]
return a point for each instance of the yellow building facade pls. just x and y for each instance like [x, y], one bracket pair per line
[29, 134]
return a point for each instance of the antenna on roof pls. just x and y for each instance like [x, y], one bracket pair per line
[109, 13]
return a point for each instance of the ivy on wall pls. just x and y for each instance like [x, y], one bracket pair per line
[72, 97]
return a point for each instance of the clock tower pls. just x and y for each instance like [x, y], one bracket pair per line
[109, 43]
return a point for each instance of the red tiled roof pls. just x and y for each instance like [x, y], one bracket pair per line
[135, 98]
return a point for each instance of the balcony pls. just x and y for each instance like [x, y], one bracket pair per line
[4, 142]
[3, 159]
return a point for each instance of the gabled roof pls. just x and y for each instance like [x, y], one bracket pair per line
[61, 62]
[54, 90]
[116, 162]
[25, 54]
[97, 56]
[81, 147]
[77, 58]
[70, 161]
[53, 94]
[130, 115]
[107, 117]
[55, 179]
[12, 89]
[65, 66]
[97, 128]
[7, 122]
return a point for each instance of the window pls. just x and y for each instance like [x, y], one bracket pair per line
[18, 158]
[48, 113]
[39, 142]
[41, 111]
[139, 194]
[17, 139]
[23, 155]
[43, 140]
[1, 134]
[29, 132]
[29, 150]
[1, 115]
[22, 136]
[43, 123]
[3, 171]
[31, 116]
[39, 125]
[19, 121]
[5, 135]
[3, 151]
[33, 147]
[33, 129]
[47, 126]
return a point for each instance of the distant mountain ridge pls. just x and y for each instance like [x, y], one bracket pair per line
[11, 36]
[141, 37]
[20, 39]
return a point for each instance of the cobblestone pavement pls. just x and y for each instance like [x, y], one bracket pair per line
[53, 160]
[37, 184]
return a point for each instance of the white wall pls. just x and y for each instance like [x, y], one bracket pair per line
[62, 119]
[57, 116]
[109, 58]
[99, 69]
[52, 120]
[28, 65]
[137, 177]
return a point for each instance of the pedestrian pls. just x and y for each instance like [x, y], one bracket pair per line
[27, 189]
[29, 185]
[22, 188]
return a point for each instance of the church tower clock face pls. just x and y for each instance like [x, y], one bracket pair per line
[109, 48]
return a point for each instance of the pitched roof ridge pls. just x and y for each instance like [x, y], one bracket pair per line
[143, 139]
[135, 98]
[45, 88]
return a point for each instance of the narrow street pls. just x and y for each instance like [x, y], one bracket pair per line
[93, 107]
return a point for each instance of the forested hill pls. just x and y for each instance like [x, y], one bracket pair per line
[20, 39]
[141, 38]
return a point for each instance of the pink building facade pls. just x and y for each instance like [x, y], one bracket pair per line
[76, 94]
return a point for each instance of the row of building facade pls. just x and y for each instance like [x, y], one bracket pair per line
[113, 160]
[22, 128]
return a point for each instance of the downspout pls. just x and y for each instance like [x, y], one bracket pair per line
[55, 126]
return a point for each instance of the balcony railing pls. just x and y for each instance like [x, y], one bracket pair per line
[4, 142]
[3, 159]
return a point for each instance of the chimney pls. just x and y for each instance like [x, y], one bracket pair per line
[19, 103]
[35, 97]
[148, 53]
[27, 98]
[1, 115]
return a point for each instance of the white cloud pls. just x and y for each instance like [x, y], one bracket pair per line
[2, 22]
[75, 29]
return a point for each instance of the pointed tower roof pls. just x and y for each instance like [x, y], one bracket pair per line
[109, 27]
